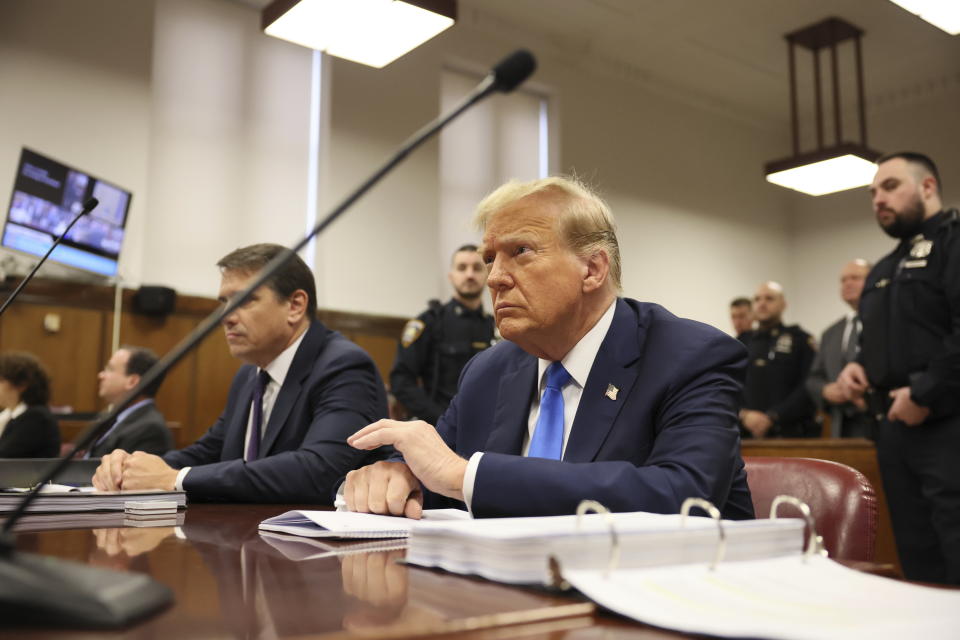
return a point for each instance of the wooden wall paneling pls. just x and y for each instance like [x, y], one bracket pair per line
[176, 398]
[383, 351]
[215, 368]
[69, 347]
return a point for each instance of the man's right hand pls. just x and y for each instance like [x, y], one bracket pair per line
[109, 474]
[388, 488]
[853, 382]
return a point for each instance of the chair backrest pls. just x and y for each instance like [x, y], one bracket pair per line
[841, 500]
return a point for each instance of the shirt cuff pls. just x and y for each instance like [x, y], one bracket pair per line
[340, 502]
[178, 484]
[469, 477]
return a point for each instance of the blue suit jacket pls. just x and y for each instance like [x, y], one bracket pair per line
[670, 433]
[332, 390]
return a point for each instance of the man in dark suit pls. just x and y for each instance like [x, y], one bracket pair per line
[590, 396]
[839, 345]
[303, 390]
[141, 426]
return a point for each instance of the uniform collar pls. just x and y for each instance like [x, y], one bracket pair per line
[463, 310]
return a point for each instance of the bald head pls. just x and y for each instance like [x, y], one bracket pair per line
[852, 277]
[769, 304]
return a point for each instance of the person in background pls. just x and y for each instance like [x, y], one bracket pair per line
[908, 368]
[437, 344]
[741, 316]
[141, 426]
[775, 400]
[302, 390]
[839, 345]
[27, 428]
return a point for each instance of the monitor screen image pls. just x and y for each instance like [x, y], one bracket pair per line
[47, 195]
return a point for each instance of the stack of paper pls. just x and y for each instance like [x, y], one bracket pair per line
[517, 550]
[298, 548]
[788, 598]
[347, 524]
[63, 499]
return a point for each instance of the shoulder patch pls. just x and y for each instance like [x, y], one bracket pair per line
[411, 331]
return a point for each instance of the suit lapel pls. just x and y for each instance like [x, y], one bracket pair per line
[513, 407]
[237, 431]
[300, 368]
[597, 410]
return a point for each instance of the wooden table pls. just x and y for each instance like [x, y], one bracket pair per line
[230, 583]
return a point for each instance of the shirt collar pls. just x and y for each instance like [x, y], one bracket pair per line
[18, 410]
[579, 360]
[136, 405]
[281, 364]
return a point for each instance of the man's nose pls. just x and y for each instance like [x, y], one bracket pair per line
[497, 276]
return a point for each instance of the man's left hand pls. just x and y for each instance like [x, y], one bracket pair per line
[147, 471]
[426, 454]
[905, 409]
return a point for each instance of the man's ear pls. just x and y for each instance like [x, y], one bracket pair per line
[598, 269]
[928, 187]
[298, 305]
[133, 379]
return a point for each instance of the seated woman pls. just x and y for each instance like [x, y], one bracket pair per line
[27, 428]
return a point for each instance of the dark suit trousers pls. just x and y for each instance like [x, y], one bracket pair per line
[922, 483]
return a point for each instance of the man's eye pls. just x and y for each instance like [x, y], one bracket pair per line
[521, 250]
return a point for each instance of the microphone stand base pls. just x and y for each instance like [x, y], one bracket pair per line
[40, 591]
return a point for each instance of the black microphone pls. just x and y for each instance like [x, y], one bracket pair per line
[31, 590]
[513, 70]
[88, 206]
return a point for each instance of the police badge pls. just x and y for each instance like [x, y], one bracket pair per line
[784, 343]
[921, 248]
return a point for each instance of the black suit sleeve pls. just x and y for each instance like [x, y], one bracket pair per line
[32, 434]
[342, 395]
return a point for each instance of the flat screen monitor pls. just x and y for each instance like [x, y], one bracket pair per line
[47, 194]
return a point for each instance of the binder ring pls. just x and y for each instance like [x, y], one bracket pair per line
[587, 506]
[815, 541]
[714, 513]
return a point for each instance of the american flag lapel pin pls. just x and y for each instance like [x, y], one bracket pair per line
[611, 392]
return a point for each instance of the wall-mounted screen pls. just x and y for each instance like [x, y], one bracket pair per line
[47, 194]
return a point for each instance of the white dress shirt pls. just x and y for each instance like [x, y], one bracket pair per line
[578, 363]
[277, 369]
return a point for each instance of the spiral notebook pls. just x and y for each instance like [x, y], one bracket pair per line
[347, 524]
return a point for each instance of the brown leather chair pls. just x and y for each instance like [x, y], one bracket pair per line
[841, 500]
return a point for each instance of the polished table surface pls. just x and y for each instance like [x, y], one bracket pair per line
[229, 582]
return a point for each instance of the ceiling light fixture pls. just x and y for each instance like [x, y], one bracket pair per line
[844, 165]
[371, 32]
[943, 14]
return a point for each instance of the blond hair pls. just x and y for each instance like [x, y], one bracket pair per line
[585, 222]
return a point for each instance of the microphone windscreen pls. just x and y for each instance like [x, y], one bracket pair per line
[513, 70]
[90, 205]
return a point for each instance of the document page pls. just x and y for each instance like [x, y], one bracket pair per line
[780, 598]
[348, 524]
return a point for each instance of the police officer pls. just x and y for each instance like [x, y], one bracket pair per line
[909, 365]
[775, 400]
[438, 343]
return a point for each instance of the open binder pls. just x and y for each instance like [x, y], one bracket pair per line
[799, 594]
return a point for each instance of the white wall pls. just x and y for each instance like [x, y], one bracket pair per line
[205, 119]
[75, 81]
[229, 141]
[830, 230]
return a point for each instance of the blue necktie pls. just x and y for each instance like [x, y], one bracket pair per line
[253, 445]
[547, 441]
